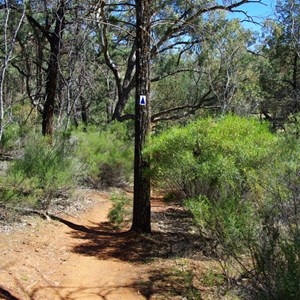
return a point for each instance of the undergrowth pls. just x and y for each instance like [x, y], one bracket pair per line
[119, 213]
[43, 172]
[106, 155]
[241, 183]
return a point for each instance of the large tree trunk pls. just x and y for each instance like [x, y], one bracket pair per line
[141, 201]
[53, 71]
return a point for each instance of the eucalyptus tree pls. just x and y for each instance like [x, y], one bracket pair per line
[56, 59]
[232, 68]
[51, 28]
[11, 25]
[280, 77]
[159, 26]
[175, 27]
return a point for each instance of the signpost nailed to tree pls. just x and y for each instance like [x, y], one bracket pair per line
[141, 199]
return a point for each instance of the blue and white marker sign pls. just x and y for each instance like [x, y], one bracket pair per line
[143, 100]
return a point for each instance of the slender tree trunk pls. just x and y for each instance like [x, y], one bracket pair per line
[122, 100]
[53, 70]
[141, 202]
[8, 50]
[295, 83]
[84, 112]
[2, 75]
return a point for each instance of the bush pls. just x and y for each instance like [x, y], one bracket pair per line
[210, 161]
[210, 157]
[242, 185]
[119, 210]
[42, 173]
[277, 250]
[10, 136]
[23, 120]
[107, 155]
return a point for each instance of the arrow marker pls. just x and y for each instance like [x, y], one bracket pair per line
[143, 100]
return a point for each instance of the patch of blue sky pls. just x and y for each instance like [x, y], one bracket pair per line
[258, 12]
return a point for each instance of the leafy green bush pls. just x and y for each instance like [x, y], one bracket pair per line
[107, 155]
[209, 161]
[23, 123]
[42, 173]
[10, 136]
[210, 157]
[119, 210]
[229, 221]
[277, 250]
[242, 185]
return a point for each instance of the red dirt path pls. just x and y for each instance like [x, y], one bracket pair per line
[56, 261]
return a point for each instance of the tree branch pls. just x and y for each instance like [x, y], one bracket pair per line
[104, 44]
[34, 23]
[181, 23]
[157, 78]
[191, 109]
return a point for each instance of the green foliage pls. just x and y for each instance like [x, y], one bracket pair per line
[15, 134]
[9, 138]
[230, 221]
[212, 278]
[43, 172]
[209, 161]
[210, 157]
[107, 155]
[242, 186]
[119, 210]
[275, 192]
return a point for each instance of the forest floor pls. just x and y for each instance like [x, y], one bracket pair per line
[81, 256]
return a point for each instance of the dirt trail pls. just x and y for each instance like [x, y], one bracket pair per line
[82, 257]
[62, 260]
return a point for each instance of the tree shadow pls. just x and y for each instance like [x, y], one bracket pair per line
[168, 284]
[173, 236]
[6, 295]
[74, 292]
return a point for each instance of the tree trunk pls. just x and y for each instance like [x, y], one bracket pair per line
[141, 199]
[122, 100]
[2, 75]
[53, 70]
[296, 104]
[84, 111]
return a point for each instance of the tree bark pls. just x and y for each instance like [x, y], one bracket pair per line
[53, 70]
[295, 83]
[141, 199]
[84, 111]
[8, 51]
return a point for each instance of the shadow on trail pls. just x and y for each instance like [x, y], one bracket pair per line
[96, 230]
[73, 292]
[173, 236]
[6, 295]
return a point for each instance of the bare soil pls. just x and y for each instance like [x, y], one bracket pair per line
[83, 257]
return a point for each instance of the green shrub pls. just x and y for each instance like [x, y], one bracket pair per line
[229, 221]
[42, 173]
[119, 211]
[107, 155]
[210, 157]
[277, 250]
[10, 137]
[242, 185]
